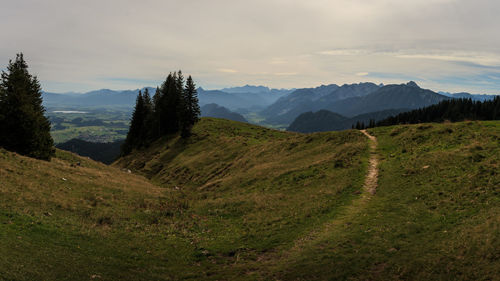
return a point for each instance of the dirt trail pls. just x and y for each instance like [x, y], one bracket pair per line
[372, 176]
[342, 219]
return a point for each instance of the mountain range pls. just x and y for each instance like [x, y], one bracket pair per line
[463, 95]
[325, 120]
[249, 97]
[287, 108]
[214, 110]
[280, 107]
[98, 98]
[231, 98]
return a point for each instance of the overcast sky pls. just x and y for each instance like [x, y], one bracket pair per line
[449, 45]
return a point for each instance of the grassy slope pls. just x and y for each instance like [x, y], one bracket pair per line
[243, 202]
[231, 195]
[251, 190]
[436, 214]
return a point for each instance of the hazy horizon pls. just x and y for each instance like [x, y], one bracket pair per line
[443, 45]
[237, 86]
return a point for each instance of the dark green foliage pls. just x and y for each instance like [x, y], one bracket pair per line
[23, 126]
[372, 123]
[191, 109]
[325, 120]
[138, 133]
[453, 110]
[168, 106]
[98, 151]
[173, 109]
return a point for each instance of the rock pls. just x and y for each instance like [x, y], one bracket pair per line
[426, 167]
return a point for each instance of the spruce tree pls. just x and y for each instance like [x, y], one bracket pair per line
[156, 124]
[137, 126]
[149, 118]
[168, 111]
[191, 113]
[23, 125]
[192, 101]
[173, 109]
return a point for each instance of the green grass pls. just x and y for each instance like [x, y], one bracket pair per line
[241, 202]
[436, 214]
[242, 191]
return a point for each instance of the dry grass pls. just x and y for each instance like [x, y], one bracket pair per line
[240, 202]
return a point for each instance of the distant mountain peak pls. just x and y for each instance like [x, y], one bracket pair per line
[412, 84]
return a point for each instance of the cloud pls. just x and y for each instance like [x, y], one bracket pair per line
[227, 70]
[75, 45]
[285, 73]
[468, 57]
[344, 52]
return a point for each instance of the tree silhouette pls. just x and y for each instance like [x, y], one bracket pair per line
[174, 108]
[23, 125]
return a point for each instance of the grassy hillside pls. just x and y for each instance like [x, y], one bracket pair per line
[228, 196]
[435, 216]
[243, 202]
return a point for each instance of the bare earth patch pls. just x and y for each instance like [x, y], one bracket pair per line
[372, 176]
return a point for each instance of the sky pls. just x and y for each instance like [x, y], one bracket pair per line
[78, 46]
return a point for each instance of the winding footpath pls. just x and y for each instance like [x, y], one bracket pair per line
[342, 219]
[372, 176]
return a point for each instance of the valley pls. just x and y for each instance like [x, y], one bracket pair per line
[100, 125]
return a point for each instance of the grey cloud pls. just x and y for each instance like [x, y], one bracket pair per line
[72, 45]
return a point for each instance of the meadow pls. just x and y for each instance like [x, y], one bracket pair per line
[242, 202]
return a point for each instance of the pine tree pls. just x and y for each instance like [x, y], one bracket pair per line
[137, 126]
[147, 133]
[372, 123]
[192, 101]
[191, 113]
[167, 111]
[156, 124]
[174, 108]
[23, 125]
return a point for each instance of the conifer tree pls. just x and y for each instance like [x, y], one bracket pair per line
[156, 124]
[174, 108]
[149, 117]
[135, 135]
[23, 125]
[168, 106]
[192, 101]
[191, 113]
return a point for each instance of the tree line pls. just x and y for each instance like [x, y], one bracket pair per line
[172, 109]
[453, 110]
